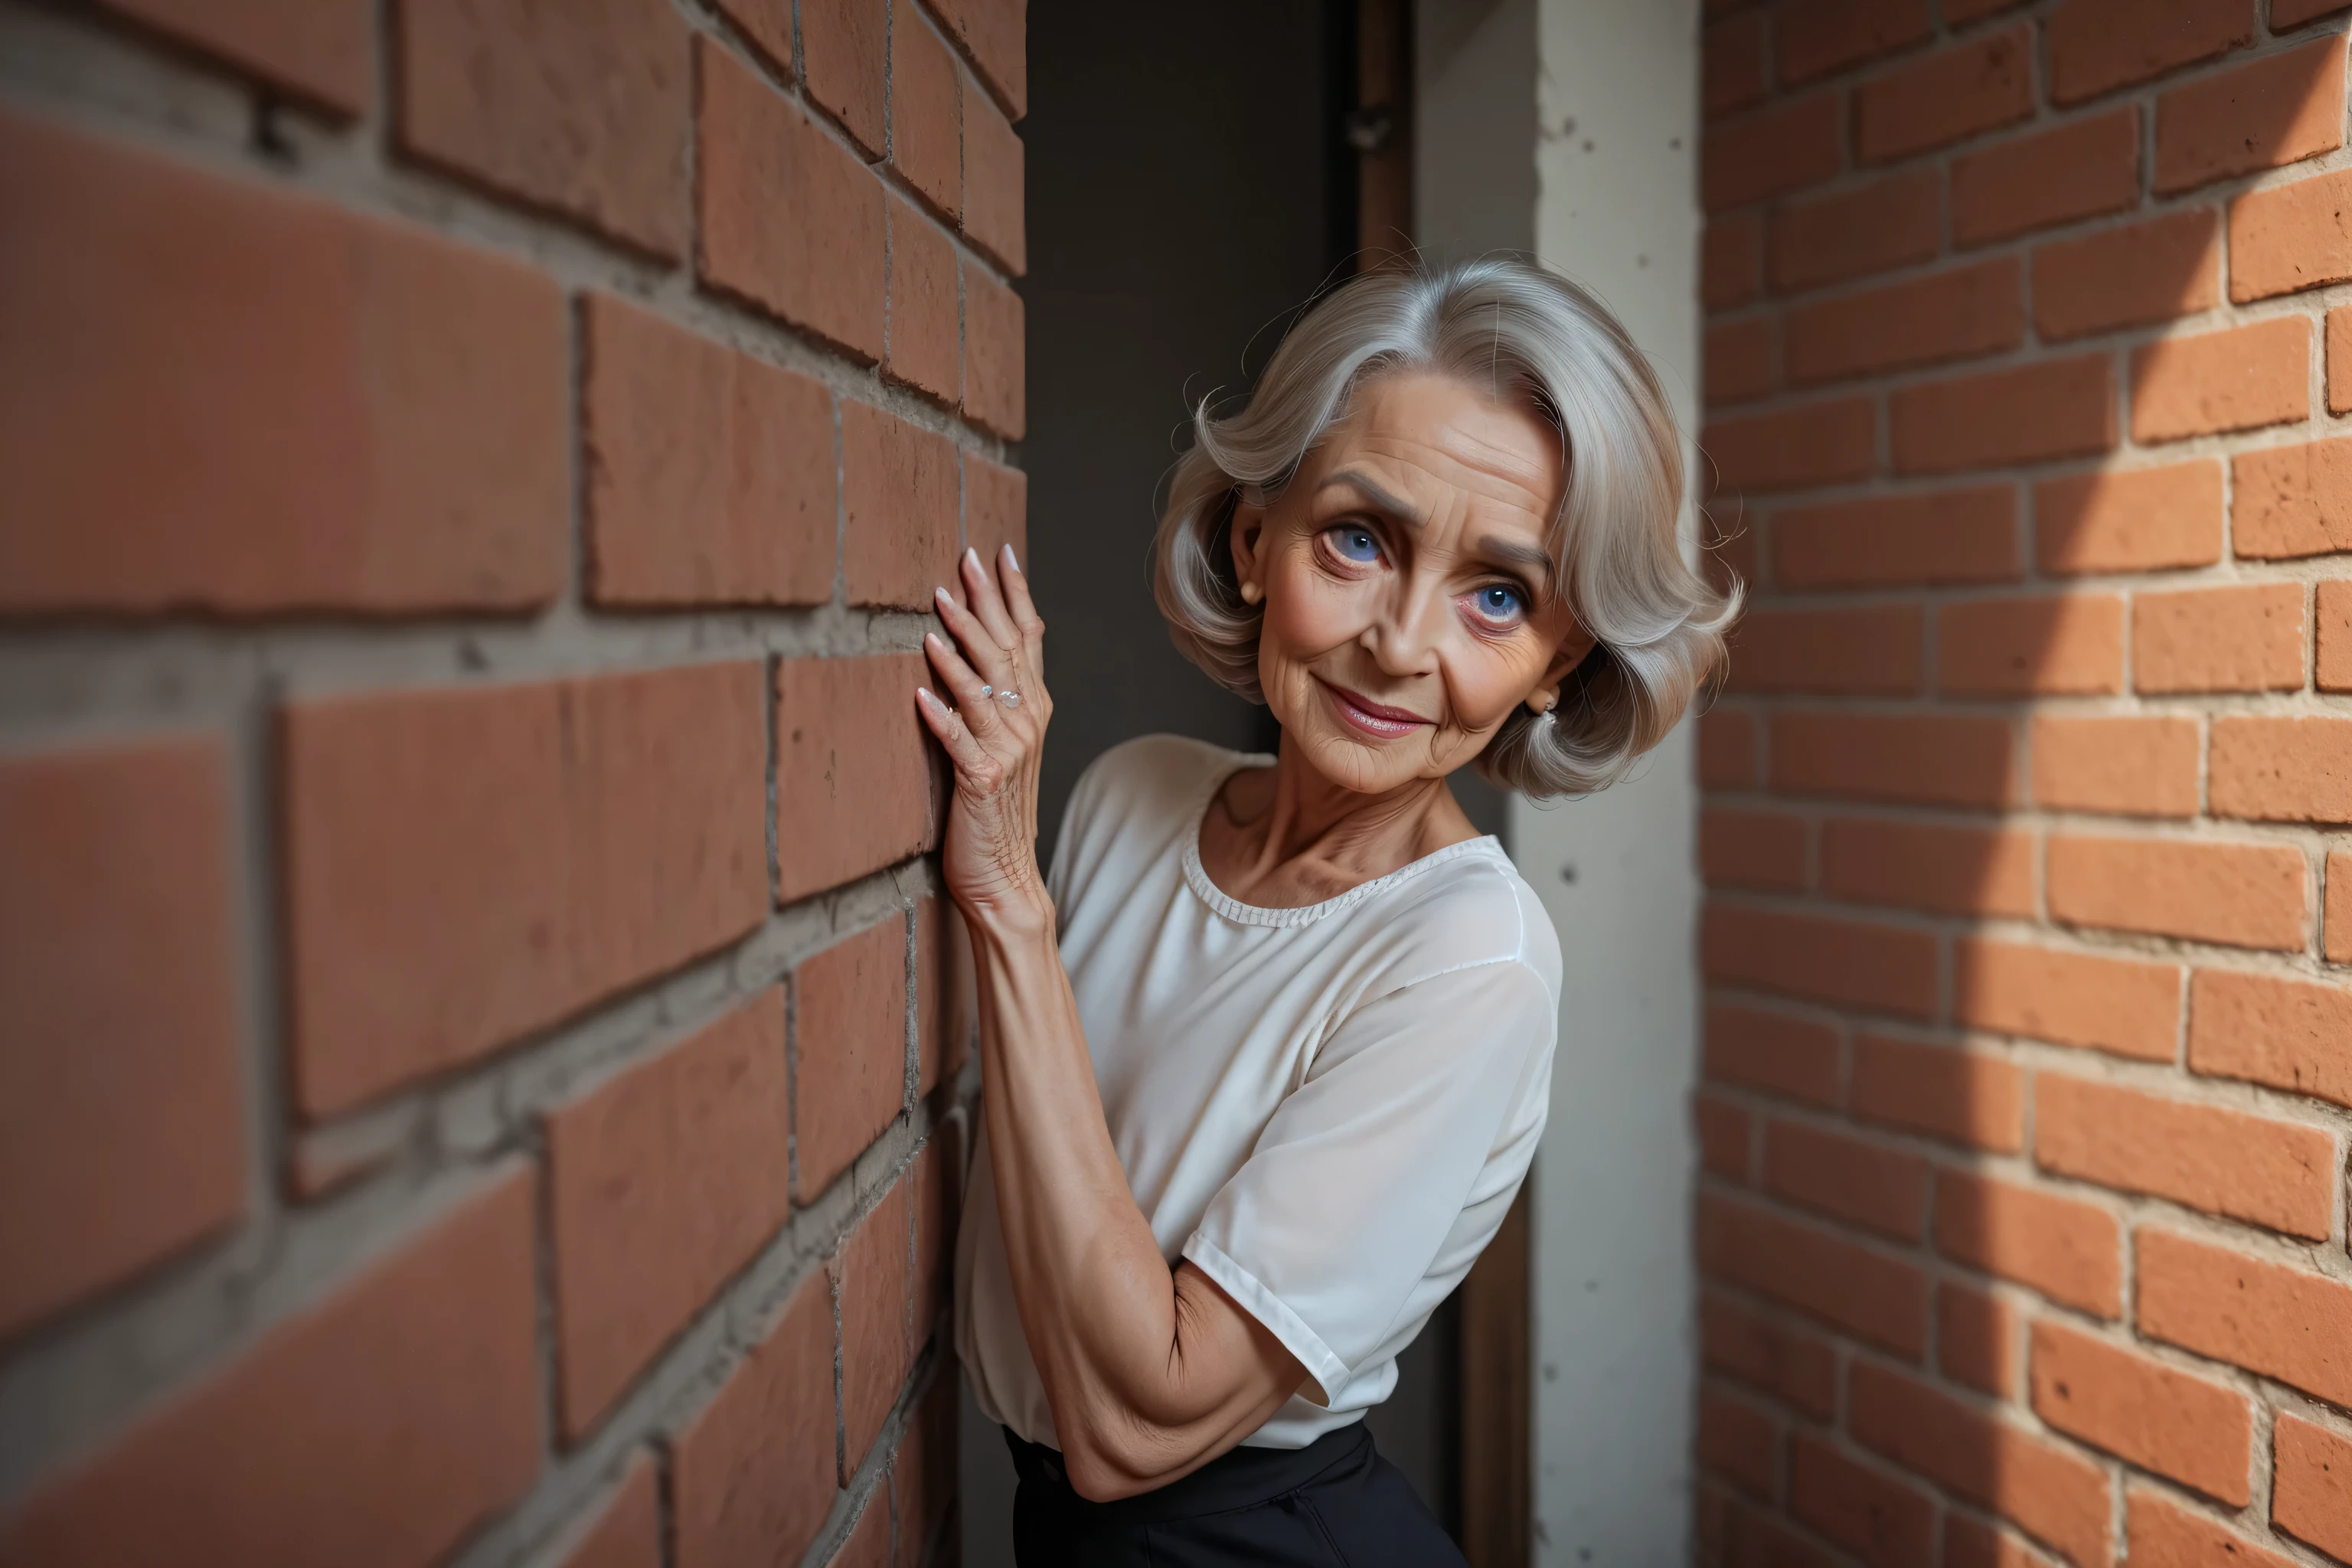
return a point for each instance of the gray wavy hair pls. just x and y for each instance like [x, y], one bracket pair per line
[1533, 336]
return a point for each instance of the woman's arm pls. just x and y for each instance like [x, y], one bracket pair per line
[1149, 1373]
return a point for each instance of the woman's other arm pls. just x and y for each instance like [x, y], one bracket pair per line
[1149, 1373]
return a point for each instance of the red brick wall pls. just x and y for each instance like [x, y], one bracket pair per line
[2028, 1043]
[482, 1074]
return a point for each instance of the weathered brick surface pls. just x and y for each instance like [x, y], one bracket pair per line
[899, 510]
[1872, 649]
[872, 1292]
[2196, 1432]
[1970, 1097]
[1849, 1286]
[2274, 112]
[2219, 639]
[844, 47]
[2098, 45]
[2125, 1005]
[2057, 408]
[1751, 848]
[1739, 1441]
[1964, 313]
[849, 1045]
[322, 50]
[2070, 645]
[2082, 169]
[2292, 500]
[2273, 1173]
[627, 1534]
[856, 789]
[2130, 519]
[1875, 1188]
[1951, 871]
[2070, 1250]
[994, 182]
[2240, 895]
[1977, 1339]
[1790, 1363]
[926, 113]
[469, 864]
[753, 1475]
[2235, 380]
[2290, 237]
[995, 34]
[2309, 1465]
[2266, 1317]
[995, 374]
[1774, 1052]
[2165, 1533]
[2147, 272]
[1887, 223]
[2288, 1034]
[2282, 770]
[1957, 92]
[1943, 536]
[127, 844]
[1962, 760]
[1771, 153]
[925, 307]
[2129, 766]
[1876, 968]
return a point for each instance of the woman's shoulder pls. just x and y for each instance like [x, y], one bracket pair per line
[1472, 910]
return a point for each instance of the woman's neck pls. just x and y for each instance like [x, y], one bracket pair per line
[1287, 836]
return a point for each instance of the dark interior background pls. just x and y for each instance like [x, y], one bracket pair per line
[1189, 189]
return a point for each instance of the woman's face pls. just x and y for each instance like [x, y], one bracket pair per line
[1409, 601]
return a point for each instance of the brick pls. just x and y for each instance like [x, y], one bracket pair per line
[849, 1045]
[1724, 1136]
[710, 474]
[2070, 1251]
[2133, 1405]
[872, 1293]
[2163, 1534]
[1880, 1189]
[2288, 239]
[845, 45]
[1731, 65]
[995, 378]
[752, 1476]
[2098, 45]
[868, 1545]
[323, 52]
[2282, 770]
[2059, 644]
[1771, 152]
[898, 505]
[1872, 649]
[789, 220]
[467, 865]
[375, 1429]
[1795, 1057]
[2266, 1317]
[2242, 895]
[2118, 1005]
[943, 991]
[2127, 766]
[2057, 408]
[855, 780]
[2332, 636]
[2338, 945]
[2272, 1173]
[1818, 444]
[1726, 750]
[1940, 537]
[995, 508]
[926, 310]
[1946, 870]
[2243, 638]
[1957, 12]
[2292, 500]
[1975, 1338]
[1731, 260]
[767, 24]
[1881, 1519]
[2055, 1494]
[2294, 13]
[935, 1192]
[994, 183]
[2233, 123]
[2311, 1485]
[1754, 1539]
[1792, 1365]
[663, 1182]
[2241, 379]
[1893, 221]
[1751, 848]
[580, 108]
[1968, 1544]
[1970, 1097]
[323, 484]
[1962, 313]
[1941, 759]
[2288, 1034]
[1742, 360]
[2082, 168]
[2133, 275]
[995, 33]
[925, 114]
[628, 1531]
[1816, 38]
[1956, 92]
[1849, 1286]
[1879, 968]
[923, 1472]
[1739, 1442]
[2339, 360]
[2129, 519]
[115, 850]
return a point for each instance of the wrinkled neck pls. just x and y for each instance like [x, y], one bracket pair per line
[1348, 835]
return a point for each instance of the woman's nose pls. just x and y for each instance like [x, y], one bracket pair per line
[1402, 639]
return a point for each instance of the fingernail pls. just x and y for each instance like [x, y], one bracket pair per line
[923, 693]
[972, 555]
[931, 639]
[1012, 560]
[942, 596]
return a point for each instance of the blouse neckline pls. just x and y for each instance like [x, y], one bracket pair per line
[1196, 876]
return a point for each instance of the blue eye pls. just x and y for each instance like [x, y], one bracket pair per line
[1354, 544]
[1500, 602]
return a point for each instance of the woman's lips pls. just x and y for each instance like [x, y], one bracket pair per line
[1372, 718]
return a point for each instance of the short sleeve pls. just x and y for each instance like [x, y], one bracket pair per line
[1360, 1180]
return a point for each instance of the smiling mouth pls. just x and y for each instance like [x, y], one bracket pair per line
[1373, 718]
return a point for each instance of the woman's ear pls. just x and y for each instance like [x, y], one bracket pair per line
[1248, 529]
[1571, 652]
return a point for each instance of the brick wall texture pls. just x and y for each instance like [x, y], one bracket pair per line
[484, 1078]
[2028, 820]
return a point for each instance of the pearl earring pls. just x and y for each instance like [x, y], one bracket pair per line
[1542, 702]
[1252, 593]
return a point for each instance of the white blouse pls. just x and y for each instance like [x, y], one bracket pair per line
[1327, 1108]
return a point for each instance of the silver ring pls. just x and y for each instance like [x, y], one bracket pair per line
[986, 689]
[1010, 698]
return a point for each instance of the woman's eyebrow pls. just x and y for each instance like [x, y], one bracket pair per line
[1528, 555]
[1404, 511]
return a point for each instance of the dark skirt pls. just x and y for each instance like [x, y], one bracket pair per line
[1335, 1503]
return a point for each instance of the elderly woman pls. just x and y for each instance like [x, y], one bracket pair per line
[1266, 1054]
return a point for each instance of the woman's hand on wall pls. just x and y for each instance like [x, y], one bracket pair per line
[994, 735]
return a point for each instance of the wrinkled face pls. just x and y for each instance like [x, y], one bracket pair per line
[1410, 602]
